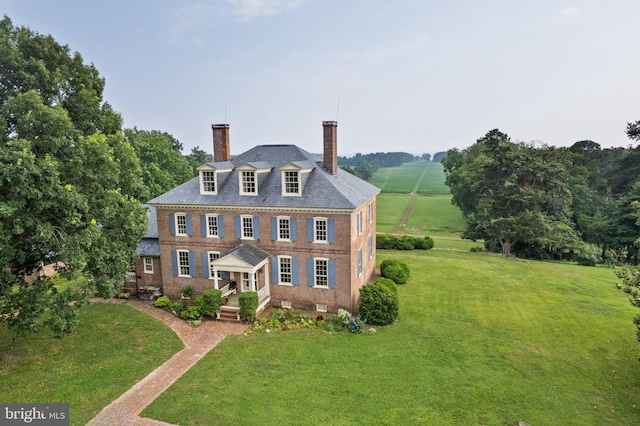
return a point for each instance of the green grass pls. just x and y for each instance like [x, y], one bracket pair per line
[400, 179]
[389, 210]
[481, 340]
[433, 181]
[435, 215]
[113, 347]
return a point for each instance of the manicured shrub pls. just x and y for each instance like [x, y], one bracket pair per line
[248, 305]
[406, 242]
[396, 273]
[378, 305]
[209, 303]
[163, 301]
[388, 283]
[187, 292]
[385, 241]
[425, 243]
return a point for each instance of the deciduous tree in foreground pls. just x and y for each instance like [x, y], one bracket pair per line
[69, 183]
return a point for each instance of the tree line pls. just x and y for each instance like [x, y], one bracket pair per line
[547, 202]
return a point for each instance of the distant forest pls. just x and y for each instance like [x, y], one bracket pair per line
[364, 165]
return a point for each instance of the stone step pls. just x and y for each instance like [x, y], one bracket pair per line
[229, 316]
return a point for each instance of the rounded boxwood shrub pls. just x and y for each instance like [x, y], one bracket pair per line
[248, 305]
[210, 301]
[378, 305]
[389, 284]
[396, 273]
[395, 270]
[425, 243]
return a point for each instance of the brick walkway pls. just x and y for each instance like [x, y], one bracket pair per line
[198, 341]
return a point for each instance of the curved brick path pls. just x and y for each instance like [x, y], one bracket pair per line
[197, 341]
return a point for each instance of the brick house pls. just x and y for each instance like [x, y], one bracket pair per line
[276, 219]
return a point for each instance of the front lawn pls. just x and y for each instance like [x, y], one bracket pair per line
[481, 340]
[113, 347]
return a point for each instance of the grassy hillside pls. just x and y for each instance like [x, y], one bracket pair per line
[481, 340]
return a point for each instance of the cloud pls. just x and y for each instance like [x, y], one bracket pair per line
[247, 10]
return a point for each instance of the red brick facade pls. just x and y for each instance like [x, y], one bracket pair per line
[347, 241]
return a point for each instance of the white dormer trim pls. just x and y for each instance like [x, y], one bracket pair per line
[248, 178]
[206, 172]
[288, 170]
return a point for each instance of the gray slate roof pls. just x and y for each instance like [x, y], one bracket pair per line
[149, 245]
[321, 189]
[248, 253]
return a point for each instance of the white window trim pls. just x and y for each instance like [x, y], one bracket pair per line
[360, 261]
[326, 230]
[370, 243]
[209, 235]
[215, 182]
[209, 253]
[285, 304]
[284, 183]
[188, 265]
[359, 223]
[253, 230]
[321, 307]
[278, 219]
[315, 271]
[144, 263]
[280, 281]
[177, 227]
[241, 181]
[371, 212]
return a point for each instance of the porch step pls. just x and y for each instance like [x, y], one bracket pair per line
[229, 316]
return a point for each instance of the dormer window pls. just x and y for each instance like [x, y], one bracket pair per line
[209, 175]
[248, 182]
[291, 182]
[208, 182]
[294, 178]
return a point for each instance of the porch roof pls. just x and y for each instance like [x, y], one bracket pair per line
[248, 253]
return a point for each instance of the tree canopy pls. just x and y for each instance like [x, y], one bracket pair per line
[511, 192]
[69, 183]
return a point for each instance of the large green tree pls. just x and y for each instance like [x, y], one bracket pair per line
[512, 192]
[161, 160]
[68, 183]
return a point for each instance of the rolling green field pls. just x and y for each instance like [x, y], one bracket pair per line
[401, 179]
[389, 210]
[481, 340]
[433, 181]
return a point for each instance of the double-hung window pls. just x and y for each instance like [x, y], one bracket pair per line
[359, 223]
[181, 224]
[370, 246]
[212, 225]
[148, 265]
[321, 273]
[360, 261]
[284, 270]
[248, 182]
[208, 181]
[320, 229]
[184, 268]
[284, 229]
[213, 255]
[370, 212]
[247, 226]
[291, 183]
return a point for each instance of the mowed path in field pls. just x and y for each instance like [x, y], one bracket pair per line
[402, 223]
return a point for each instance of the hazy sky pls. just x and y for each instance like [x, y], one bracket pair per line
[412, 75]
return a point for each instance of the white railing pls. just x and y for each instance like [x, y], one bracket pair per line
[131, 277]
[263, 293]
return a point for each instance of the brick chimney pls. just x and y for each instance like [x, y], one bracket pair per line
[221, 151]
[330, 134]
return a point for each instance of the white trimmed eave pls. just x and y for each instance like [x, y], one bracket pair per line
[252, 209]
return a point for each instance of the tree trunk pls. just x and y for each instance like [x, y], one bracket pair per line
[506, 244]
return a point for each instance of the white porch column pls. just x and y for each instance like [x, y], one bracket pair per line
[215, 278]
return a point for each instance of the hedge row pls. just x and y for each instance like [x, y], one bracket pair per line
[404, 242]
